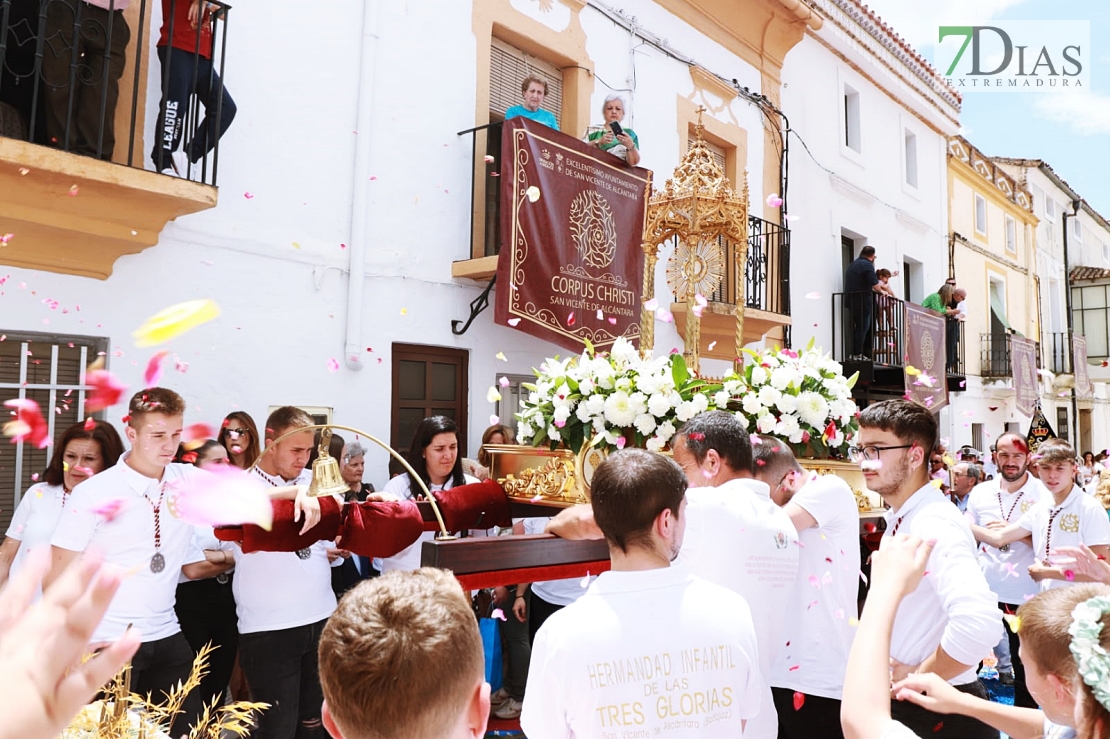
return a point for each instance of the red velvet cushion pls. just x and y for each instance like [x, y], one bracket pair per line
[478, 506]
[380, 529]
[285, 536]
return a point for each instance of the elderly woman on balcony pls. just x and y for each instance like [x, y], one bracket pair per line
[610, 137]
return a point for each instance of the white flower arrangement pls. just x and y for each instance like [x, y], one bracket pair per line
[621, 399]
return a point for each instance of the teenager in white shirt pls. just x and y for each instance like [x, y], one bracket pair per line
[950, 620]
[283, 600]
[80, 454]
[735, 535]
[1069, 518]
[649, 648]
[1006, 499]
[823, 605]
[123, 512]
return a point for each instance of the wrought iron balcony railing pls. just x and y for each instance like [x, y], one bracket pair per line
[73, 77]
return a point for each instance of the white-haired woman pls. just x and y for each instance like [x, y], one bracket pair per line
[352, 466]
[611, 137]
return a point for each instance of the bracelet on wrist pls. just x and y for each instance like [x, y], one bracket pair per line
[520, 596]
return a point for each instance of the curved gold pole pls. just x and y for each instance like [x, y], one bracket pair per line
[443, 533]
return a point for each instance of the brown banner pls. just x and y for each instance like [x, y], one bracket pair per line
[926, 382]
[1083, 389]
[1023, 365]
[572, 221]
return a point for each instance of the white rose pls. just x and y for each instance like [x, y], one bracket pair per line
[553, 433]
[524, 431]
[701, 402]
[655, 444]
[583, 413]
[665, 431]
[720, 399]
[645, 423]
[585, 386]
[813, 409]
[751, 405]
[733, 387]
[620, 411]
[787, 403]
[649, 384]
[765, 424]
[787, 426]
[782, 377]
[639, 402]
[623, 383]
[759, 376]
[562, 413]
[769, 396]
[659, 404]
[596, 404]
[685, 410]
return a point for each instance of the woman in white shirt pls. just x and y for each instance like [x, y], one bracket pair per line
[84, 450]
[434, 455]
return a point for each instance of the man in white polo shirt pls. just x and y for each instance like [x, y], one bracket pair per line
[649, 648]
[950, 621]
[1006, 499]
[735, 535]
[123, 512]
[807, 677]
[283, 600]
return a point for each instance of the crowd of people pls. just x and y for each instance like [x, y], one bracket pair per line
[730, 607]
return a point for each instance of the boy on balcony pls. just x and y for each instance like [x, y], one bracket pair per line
[185, 51]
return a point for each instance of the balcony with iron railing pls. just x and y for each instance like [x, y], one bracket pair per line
[869, 337]
[75, 190]
[994, 356]
[1055, 355]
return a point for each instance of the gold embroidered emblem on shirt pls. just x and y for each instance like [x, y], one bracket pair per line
[1026, 505]
[1069, 523]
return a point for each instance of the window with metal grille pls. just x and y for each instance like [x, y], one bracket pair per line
[508, 66]
[725, 292]
[50, 370]
[1062, 423]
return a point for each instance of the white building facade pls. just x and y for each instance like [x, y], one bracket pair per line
[344, 241]
[1088, 262]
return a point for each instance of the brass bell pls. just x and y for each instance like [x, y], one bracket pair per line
[326, 479]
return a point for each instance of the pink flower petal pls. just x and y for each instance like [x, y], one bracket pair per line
[29, 425]
[503, 382]
[651, 305]
[664, 315]
[196, 434]
[513, 322]
[813, 296]
[613, 321]
[225, 497]
[247, 195]
[109, 509]
[498, 614]
[333, 365]
[106, 390]
[774, 201]
[154, 369]
[494, 420]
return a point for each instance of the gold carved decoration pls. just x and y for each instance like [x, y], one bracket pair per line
[555, 480]
[698, 208]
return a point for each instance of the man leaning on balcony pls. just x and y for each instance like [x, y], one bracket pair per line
[534, 90]
[97, 52]
[860, 284]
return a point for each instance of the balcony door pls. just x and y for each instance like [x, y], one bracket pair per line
[427, 381]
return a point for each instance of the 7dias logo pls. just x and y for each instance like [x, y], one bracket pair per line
[1016, 56]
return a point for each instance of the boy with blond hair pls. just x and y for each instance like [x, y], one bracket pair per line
[401, 658]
